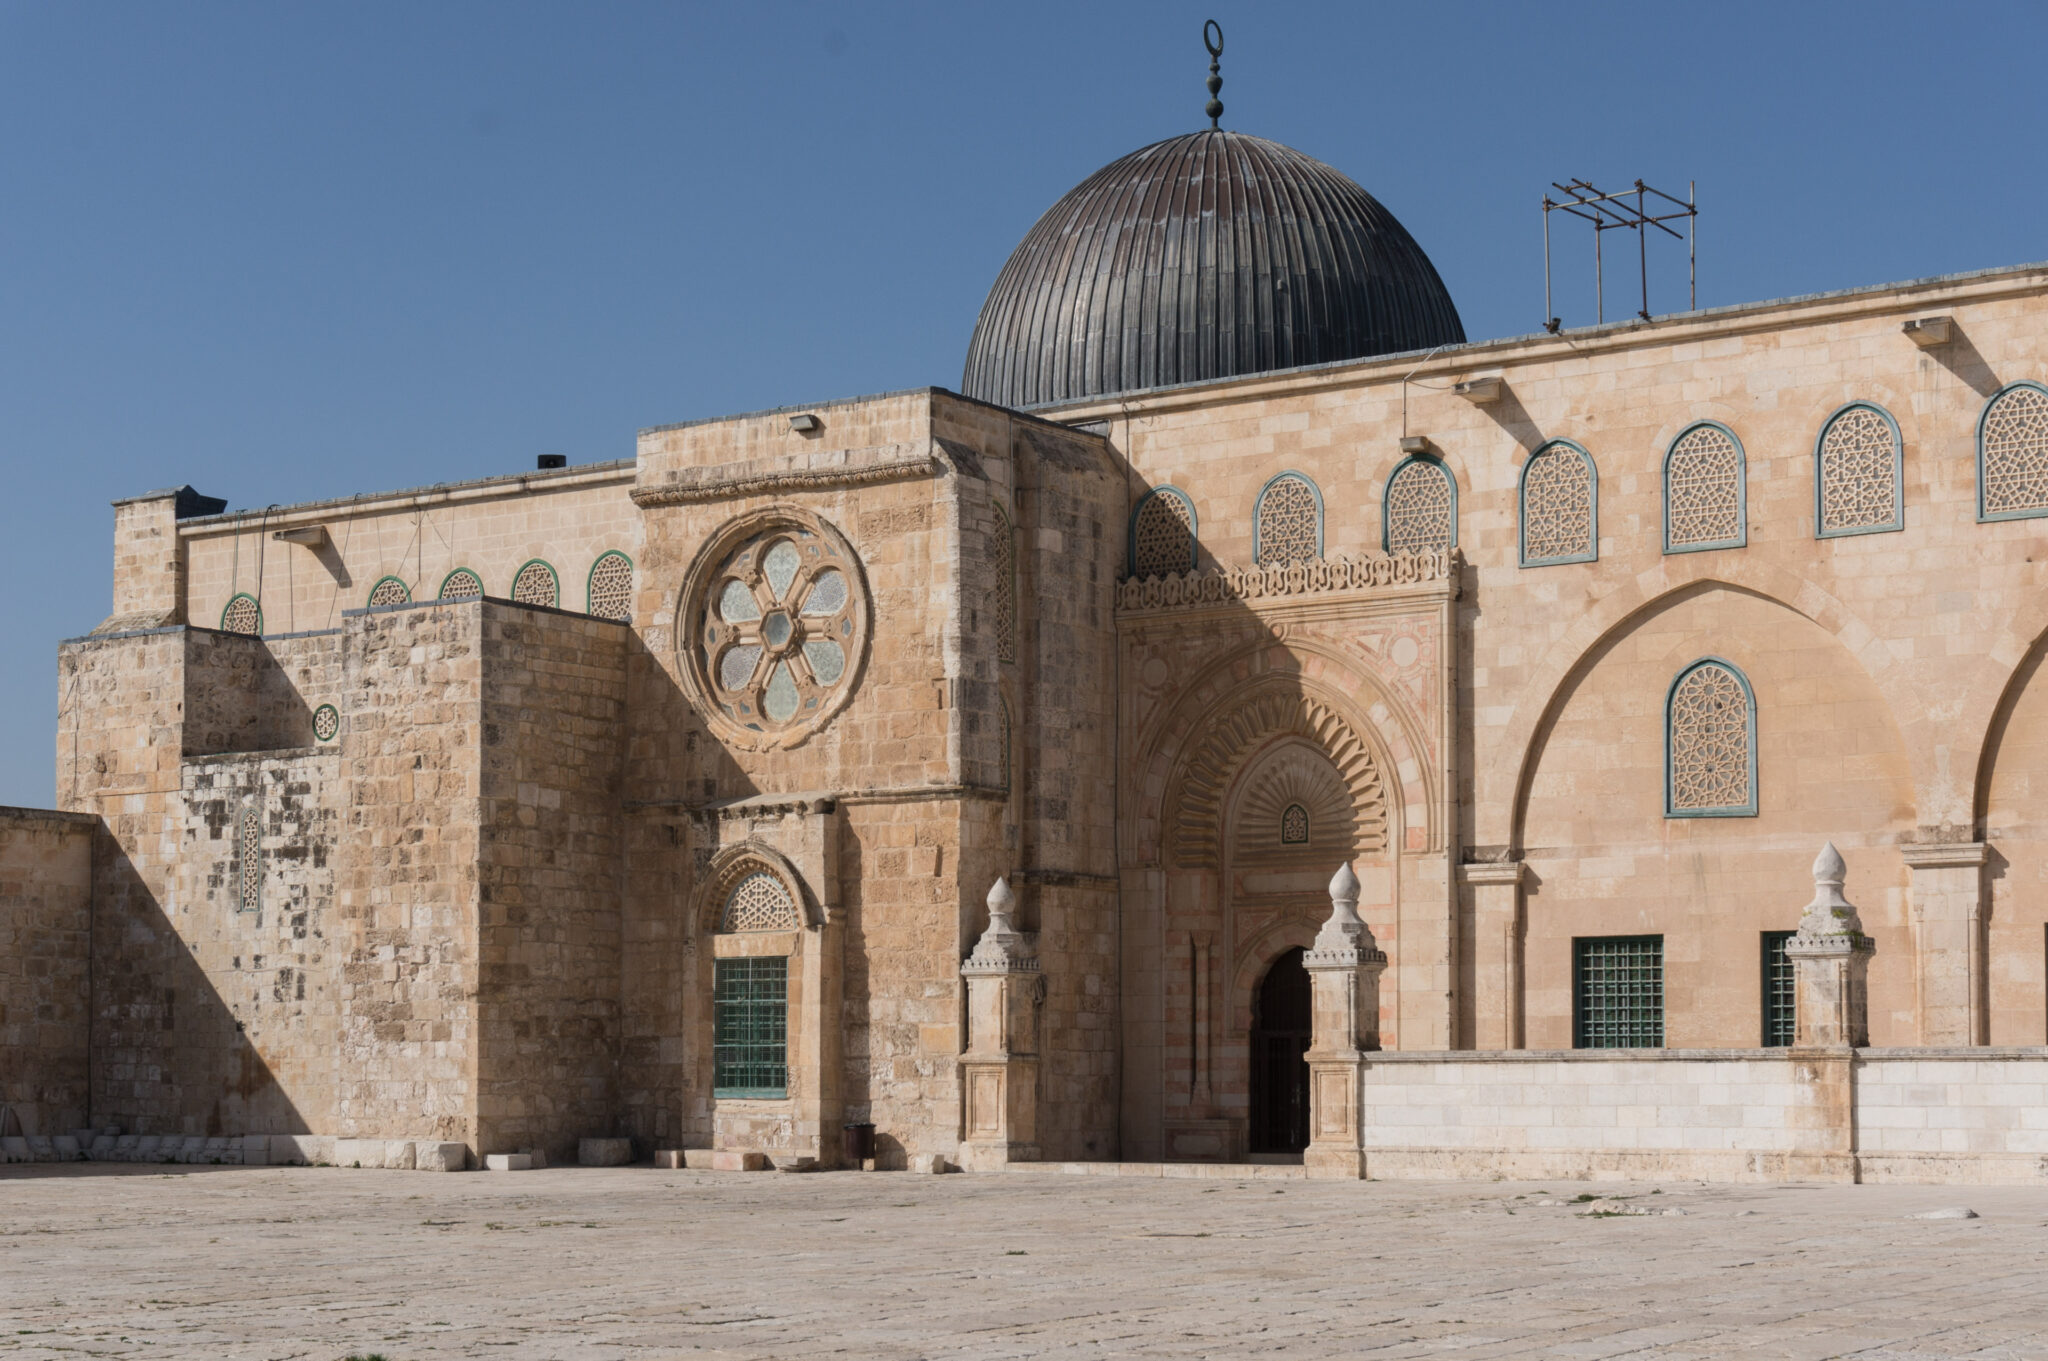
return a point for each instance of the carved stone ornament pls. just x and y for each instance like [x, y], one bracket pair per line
[1002, 948]
[1830, 920]
[1345, 938]
[774, 627]
[1223, 585]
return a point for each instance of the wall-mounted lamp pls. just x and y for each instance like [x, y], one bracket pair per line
[308, 536]
[1480, 391]
[1414, 444]
[806, 424]
[1928, 332]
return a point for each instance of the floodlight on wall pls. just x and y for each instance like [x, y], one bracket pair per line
[1414, 444]
[1928, 332]
[1480, 391]
[309, 536]
[549, 462]
[806, 424]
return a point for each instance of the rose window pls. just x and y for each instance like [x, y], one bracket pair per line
[782, 627]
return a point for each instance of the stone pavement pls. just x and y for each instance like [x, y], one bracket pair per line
[610, 1263]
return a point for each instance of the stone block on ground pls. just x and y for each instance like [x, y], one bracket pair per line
[398, 1155]
[67, 1148]
[508, 1162]
[738, 1160]
[102, 1147]
[14, 1149]
[930, 1164]
[793, 1162]
[43, 1148]
[604, 1152]
[700, 1159]
[429, 1156]
[670, 1158]
[255, 1150]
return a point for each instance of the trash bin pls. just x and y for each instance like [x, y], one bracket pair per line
[856, 1144]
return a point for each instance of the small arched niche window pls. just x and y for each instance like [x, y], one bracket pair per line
[536, 584]
[1163, 533]
[1003, 563]
[1294, 825]
[1710, 742]
[1705, 500]
[1560, 510]
[1858, 473]
[389, 591]
[1419, 511]
[1287, 524]
[461, 584]
[2012, 454]
[609, 594]
[750, 989]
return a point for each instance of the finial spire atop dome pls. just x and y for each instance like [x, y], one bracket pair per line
[1214, 108]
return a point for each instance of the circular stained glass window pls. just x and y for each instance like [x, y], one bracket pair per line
[779, 629]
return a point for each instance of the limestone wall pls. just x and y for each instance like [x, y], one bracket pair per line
[45, 991]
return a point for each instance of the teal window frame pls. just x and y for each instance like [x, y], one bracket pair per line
[750, 1027]
[1387, 492]
[553, 576]
[1259, 510]
[379, 582]
[1780, 1012]
[1982, 417]
[1898, 520]
[1741, 539]
[1631, 1008]
[1592, 553]
[242, 595]
[334, 716]
[1131, 528]
[442, 592]
[590, 577]
[1747, 810]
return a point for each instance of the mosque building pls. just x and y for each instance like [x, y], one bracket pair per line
[969, 768]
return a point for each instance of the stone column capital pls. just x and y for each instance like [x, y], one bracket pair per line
[1510, 873]
[1927, 855]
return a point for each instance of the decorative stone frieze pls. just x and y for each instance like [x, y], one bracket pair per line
[1344, 966]
[1831, 960]
[999, 1071]
[1222, 585]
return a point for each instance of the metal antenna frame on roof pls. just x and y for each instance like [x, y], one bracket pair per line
[1609, 211]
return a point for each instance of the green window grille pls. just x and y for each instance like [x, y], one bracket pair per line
[1779, 1016]
[1618, 992]
[750, 1026]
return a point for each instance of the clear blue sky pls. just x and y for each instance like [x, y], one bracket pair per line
[289, 250]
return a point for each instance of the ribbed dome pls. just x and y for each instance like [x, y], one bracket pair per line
[1204, 256]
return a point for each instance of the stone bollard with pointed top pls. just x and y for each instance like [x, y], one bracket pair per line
[1344, 967]
[1831, 961]
[999, 1071]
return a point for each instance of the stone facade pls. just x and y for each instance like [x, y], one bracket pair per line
[875, 655]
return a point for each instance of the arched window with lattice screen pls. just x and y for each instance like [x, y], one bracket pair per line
[609, 592]
[1163, 533]
[1705, 501]
[389, 591]
[1419, 511]
[536, 584]
[1710, 742]
[242, 615]
[461, 584]
[1002, 553]
[2012, 454]
[1560, 509]
[1858, 473]
[1287, 523]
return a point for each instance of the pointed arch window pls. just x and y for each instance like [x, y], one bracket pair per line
[242, 615]
[1419, 511]
[1560, 510]
[461, 584]
[1858, 473]
[609, 593]
[1294, 825]
[389, 591]
[1705, 500]
[1163, 533]
[750, 992]
[1287, 523]
[536, 584]
[1710, 742]
[2012, 454]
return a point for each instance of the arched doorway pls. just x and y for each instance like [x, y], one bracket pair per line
[1282, 1025]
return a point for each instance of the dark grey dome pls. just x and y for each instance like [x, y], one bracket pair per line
[1204, 256]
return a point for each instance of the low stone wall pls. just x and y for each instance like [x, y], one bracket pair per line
[1719, 1115]
[45, 930]
[244, 1150]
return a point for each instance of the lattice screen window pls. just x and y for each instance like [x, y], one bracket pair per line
[1006, 740]
[1420, 511]
[1560, 506]
[1618, 992]
[1294, 825]
[611, 588]
[249, 858]
[1288, 526]
[1003, 564]
[1780, 1015]
[1858, 473]
[326, 723]
[1704, 497]
[759, 902]
[1710, 743]
[389, 591]
[784, 620]
[536, 585]
[2012, 454]
[461, 584]
[1163, 534]
[242, 615]
[750, 1027]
